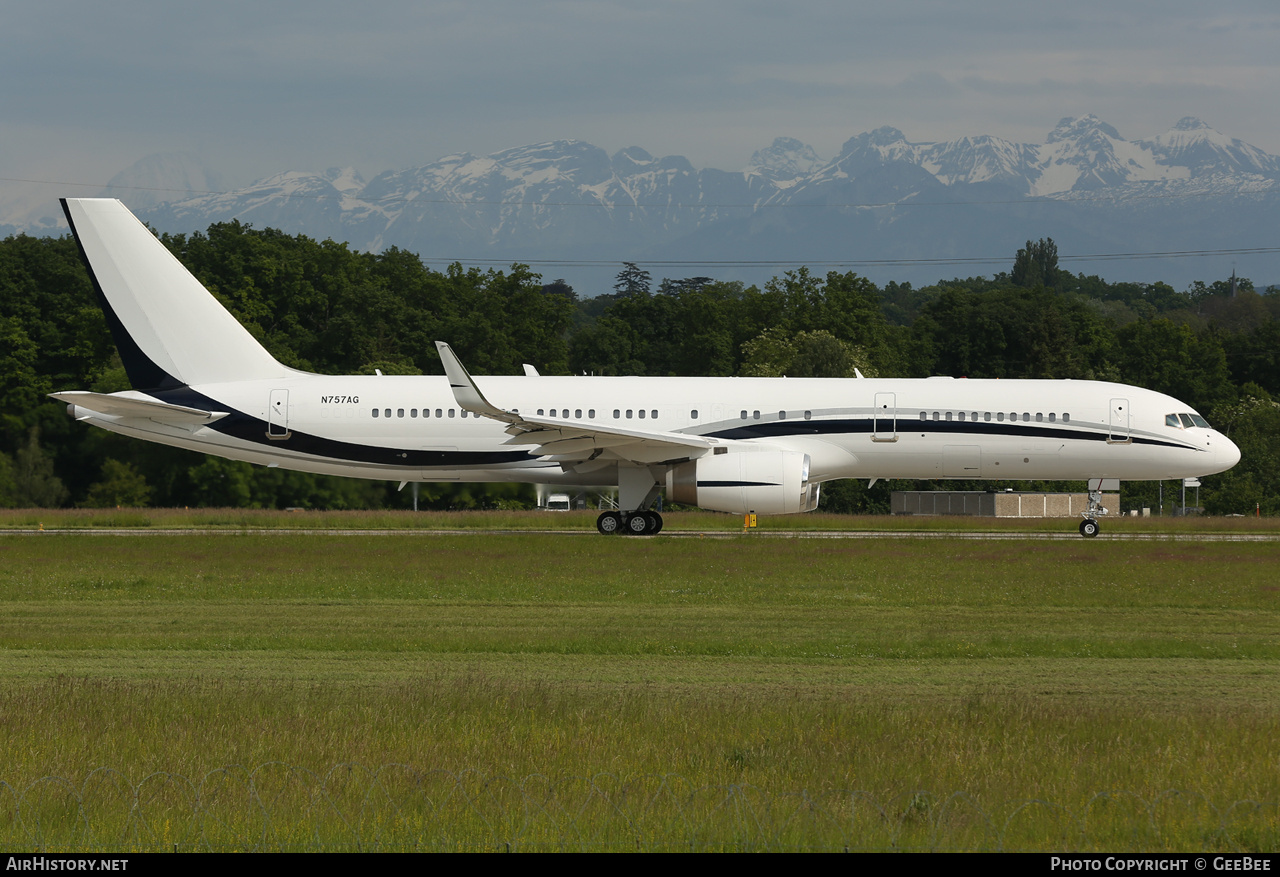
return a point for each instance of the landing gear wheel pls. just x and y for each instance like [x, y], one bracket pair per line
[1089, 528]
[639, 524]
[609, 523]
[655, 523]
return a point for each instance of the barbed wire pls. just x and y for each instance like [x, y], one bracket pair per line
[395, 807]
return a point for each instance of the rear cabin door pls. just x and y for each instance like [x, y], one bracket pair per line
[278, 415]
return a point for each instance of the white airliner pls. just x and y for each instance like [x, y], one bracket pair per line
[741, 445]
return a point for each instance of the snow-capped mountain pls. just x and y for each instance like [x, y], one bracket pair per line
[1194, 145]
[169, 176]
[882, 197]
[784, 161]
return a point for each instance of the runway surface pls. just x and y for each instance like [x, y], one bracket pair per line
[988, 536]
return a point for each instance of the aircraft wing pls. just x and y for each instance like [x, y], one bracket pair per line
[117, 405]
[570, 441]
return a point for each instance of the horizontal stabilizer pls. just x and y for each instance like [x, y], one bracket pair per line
[115, 405]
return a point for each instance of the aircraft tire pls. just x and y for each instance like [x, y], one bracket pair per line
[609, 523]
[1089, 528]
[639, 524]
[655, 525]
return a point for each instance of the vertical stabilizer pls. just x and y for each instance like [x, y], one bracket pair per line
[169, 329]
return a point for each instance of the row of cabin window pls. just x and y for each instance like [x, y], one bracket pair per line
[591, 413]
[999, 416]
[782, 415]
[413, 412]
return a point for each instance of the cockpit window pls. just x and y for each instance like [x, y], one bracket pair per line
[1186, 421]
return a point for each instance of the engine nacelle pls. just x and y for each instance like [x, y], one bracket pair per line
[763, 481]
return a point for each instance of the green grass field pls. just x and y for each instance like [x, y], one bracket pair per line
[544, 691]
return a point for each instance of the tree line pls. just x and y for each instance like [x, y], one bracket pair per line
[322, 307]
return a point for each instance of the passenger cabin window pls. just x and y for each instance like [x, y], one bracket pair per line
[577, 414]
[642, 414]
[439, 412]
[1053, 417]
[755, 415]
[808, 415]
[450, 412]
[1039, 417]
[693, 415]
[413, 412]
[399, 412]
[628, 414]
[386, 412]
[924, 415]
[375, 412]
[986, 415]
[591, 413]
[1000, 416]
[616, 414]
[744, 414]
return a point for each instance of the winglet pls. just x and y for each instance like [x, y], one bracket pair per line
[464, 388]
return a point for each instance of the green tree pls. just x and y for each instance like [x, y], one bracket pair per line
[1036, 264]
[818, 354]
[34, 483]
[632, 281]
[121, 485]
[1169, 358]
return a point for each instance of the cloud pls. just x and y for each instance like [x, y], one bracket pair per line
[257, 87]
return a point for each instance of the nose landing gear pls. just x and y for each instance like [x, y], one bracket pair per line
[1089, 527]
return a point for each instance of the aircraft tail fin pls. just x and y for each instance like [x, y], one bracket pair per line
[169, 329]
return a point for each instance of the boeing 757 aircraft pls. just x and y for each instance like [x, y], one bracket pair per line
[741, 445]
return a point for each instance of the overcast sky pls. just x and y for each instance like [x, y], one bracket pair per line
[254, 88]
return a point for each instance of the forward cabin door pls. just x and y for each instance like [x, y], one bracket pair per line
[278, 415]
[884, 420]
[1119, 422]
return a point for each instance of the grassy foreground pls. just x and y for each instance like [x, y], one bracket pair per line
[468, 692]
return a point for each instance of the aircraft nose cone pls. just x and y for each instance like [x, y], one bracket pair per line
[1226, 451]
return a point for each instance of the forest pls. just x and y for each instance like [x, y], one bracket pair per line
[323, 307]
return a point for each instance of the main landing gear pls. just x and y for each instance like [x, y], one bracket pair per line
[630, 523]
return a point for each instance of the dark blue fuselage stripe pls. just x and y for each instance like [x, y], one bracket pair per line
[738, 484]
[858, 426]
